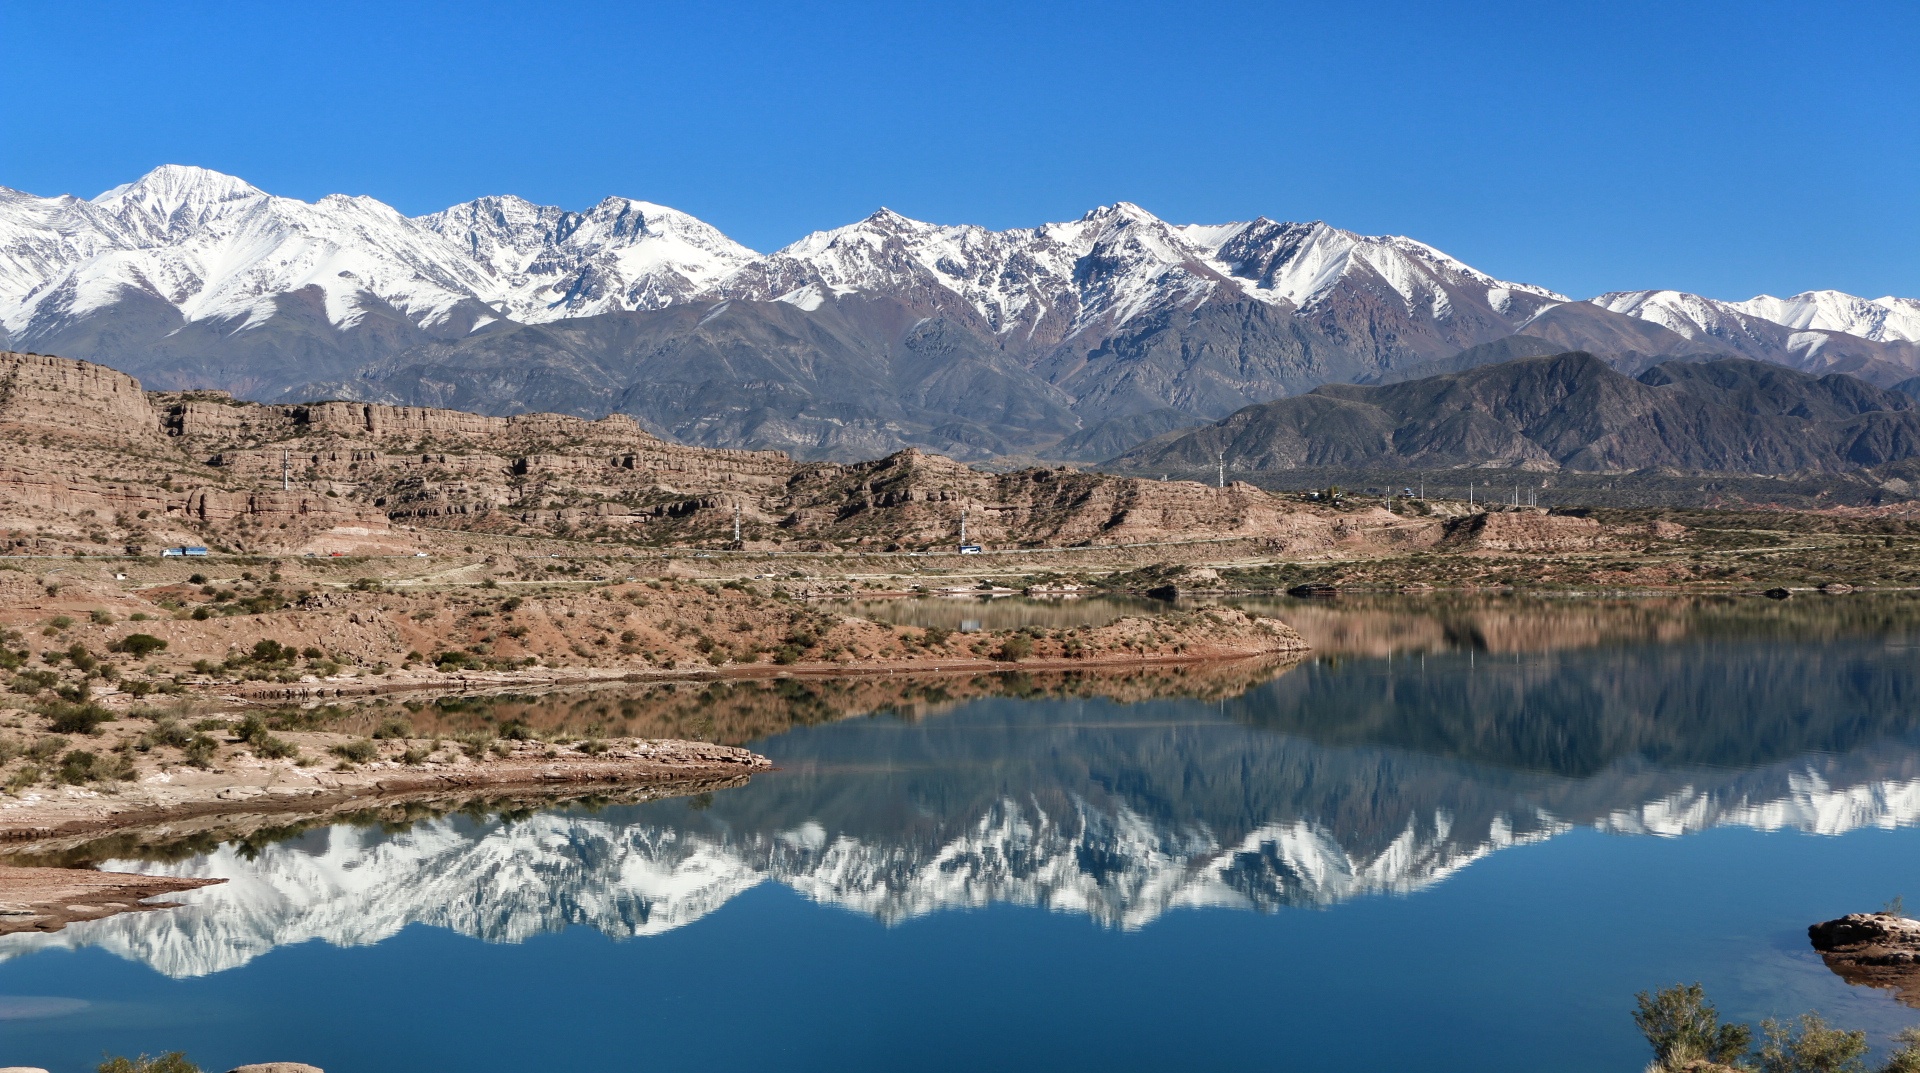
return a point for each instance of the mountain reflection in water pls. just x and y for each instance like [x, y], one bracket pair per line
[1122, 797]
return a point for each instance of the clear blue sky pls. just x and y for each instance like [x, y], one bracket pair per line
[1725, 148]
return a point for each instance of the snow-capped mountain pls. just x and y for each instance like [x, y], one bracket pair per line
[1819, 331]
[1882, 320]
[546, 263]
[886, 332]
[1062, 280]
[216, 249]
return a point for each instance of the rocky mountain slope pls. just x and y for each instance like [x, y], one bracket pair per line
[1569, 411]
[1053, 340]
[94, 460]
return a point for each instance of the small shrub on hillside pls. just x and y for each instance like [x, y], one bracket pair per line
[138, 645]
[73, 718]
[358, 751]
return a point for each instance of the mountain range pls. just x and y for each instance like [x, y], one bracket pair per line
[1066, 340]
[1567, 411]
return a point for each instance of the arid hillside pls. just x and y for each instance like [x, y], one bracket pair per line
[93, 460]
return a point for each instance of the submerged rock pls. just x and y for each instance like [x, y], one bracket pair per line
[1873, 950]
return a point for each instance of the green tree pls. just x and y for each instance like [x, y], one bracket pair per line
[1682, 1026]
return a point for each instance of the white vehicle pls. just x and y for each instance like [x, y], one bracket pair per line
[969, 549]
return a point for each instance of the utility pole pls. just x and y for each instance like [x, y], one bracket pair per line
[1223, 469]
[963, 525]
[736, 521]
[286, 470]
[1469, 495]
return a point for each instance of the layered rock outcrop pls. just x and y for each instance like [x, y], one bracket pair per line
[1873, 950]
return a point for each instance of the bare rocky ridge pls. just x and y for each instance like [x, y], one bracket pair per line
[1566, 412]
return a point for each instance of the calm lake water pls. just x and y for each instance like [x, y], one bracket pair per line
[1460, 837]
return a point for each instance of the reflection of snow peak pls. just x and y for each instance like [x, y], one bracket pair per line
[1810, 805]
[503, 883]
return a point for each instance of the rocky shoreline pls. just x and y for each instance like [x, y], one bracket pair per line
[1879, 950]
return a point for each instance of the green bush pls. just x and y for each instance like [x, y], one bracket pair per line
[358, 751]
[199, 750]
[393, 726]
[1016, 647]
[1809, 1046]
[267, 747]
[1684, 1027]
[138, 645]
[73, 718]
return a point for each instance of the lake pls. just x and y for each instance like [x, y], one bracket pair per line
[1459, 836]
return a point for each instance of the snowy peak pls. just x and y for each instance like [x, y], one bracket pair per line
[1303, 263]
[546, 263]
[174, 200]
[1887, 319]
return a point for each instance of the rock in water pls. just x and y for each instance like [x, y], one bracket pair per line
[1873, 950]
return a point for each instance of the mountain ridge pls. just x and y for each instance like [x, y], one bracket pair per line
[189, 278]
[1568, 411]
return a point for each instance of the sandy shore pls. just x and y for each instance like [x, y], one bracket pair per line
[44, 820]
[48, 899]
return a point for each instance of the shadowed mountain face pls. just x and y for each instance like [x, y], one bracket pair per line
[1333, 780]
[1570, 411]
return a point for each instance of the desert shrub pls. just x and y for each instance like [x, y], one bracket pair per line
[31, 682]
[171, 1062]
[100, 618]
[44, 749]
[267, 747]
[1682, 1026]
[69, 717]
[138, 645]
[78, 655]
[393, 726]
[60, 622]
[358, 751]
[1016, 647]
[78, 766]
[1807, 1045]
[271, 651]
[935, 635]
[199, 750]
[166, 731]
[1907, 1058]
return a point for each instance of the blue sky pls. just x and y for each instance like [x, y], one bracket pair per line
[1724, 148]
